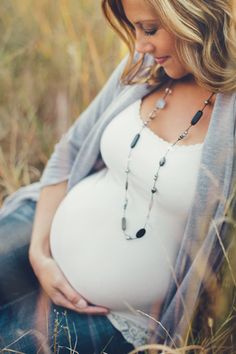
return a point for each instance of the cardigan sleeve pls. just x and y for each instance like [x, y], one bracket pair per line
[61, 161]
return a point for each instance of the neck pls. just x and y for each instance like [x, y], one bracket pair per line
[189, 83]
[188, 79]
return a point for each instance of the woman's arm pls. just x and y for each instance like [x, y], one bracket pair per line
[54, 187]
[49, 199]
[47, 271]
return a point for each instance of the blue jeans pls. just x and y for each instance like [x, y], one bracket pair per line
[20, 294]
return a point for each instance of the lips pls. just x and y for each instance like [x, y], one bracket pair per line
[161, 60]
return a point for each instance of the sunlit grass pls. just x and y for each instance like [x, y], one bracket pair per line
[54, 58]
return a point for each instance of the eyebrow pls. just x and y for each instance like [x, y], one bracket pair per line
[146, 21]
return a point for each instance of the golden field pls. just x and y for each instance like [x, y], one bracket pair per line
[54, 58]
[55, 55]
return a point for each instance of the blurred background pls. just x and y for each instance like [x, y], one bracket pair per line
[55, 55]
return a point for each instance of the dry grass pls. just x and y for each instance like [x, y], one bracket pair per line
[54, 57]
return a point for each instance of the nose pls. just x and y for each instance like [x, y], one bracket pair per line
[143, 44]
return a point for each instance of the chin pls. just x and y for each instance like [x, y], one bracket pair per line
[176, 73]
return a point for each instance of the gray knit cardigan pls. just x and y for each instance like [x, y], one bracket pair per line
[78, 154]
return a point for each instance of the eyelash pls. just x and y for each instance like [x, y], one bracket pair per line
[150, 32]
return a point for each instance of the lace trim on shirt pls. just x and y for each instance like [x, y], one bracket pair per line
[131, 331]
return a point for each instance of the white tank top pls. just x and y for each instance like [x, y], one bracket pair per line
[86, 237]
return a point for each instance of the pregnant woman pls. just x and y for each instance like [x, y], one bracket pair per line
[123, 237]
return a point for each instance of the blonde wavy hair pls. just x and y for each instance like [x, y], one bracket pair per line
[205, 33]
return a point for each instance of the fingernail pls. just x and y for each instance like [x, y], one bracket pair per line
[81, 304]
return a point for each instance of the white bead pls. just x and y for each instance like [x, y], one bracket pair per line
[161, 103]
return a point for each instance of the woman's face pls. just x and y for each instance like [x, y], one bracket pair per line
[152, 38]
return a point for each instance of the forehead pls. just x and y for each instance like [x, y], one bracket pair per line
[138, 11]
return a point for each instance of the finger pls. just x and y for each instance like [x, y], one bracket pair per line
[67, 297]
[70, 293]
[77, 300]
[94, 310]
[59, 299]
[83, 307]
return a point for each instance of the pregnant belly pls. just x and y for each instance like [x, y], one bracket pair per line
[101, 265]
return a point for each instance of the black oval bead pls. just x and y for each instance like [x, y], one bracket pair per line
[135, 141]
[141, 233]
[197, 117]
[162, 161]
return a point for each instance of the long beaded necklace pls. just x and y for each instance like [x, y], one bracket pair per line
[160, 104]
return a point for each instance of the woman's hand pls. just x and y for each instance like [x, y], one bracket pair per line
[47, 271]
[59, 290]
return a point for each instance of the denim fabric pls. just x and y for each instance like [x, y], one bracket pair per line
[16, 275]
[93, 334]
[20, 322]
[17, 318]
[85, 334]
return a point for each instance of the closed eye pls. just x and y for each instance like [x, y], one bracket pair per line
[150, 32]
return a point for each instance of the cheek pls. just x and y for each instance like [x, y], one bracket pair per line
[169, 40]
[171, 45]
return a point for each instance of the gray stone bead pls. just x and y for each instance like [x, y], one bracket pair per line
[161, 103]
[124, 223]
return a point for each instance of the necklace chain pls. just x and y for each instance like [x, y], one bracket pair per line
[160, 104]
